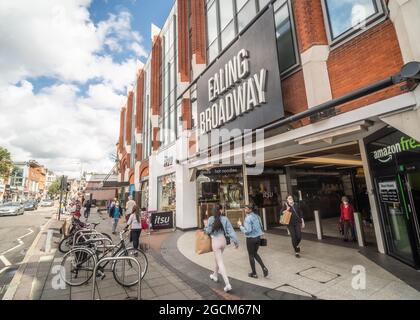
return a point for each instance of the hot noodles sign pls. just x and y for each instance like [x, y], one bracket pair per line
[241, 90]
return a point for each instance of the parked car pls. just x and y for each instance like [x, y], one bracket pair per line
[11, 209]
[30, 205]
[46, 203]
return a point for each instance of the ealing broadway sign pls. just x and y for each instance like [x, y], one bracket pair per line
[241, 90]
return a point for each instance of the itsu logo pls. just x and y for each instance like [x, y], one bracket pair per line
[162, 220]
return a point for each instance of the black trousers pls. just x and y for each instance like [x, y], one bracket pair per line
[252, 245]
[87, 212]
[295, 234]
[135, 237]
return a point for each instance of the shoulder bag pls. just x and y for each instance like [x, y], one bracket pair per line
[263, 240]
[226, 236]
[286, 216]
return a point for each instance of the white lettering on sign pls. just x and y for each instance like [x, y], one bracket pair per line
[232, 92]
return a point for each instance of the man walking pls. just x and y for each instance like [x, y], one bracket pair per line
[87, 206]
[129, 207]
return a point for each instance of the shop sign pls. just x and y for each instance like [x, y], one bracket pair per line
[168, 161]
[162, 220]
[388, 192]
[387, 153]
[242, 88]
[221, 171]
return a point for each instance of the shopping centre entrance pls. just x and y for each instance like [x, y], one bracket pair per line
[318, 180]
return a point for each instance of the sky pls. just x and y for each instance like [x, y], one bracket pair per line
[65, 67]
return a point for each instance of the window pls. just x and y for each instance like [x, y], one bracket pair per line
[345, 18]
[286, 40]
[167, 193]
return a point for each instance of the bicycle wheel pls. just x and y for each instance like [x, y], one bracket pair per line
[66, 244]
[78, 265]
[126, 272]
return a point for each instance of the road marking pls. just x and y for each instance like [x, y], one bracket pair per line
[5, 261]
[20, 242]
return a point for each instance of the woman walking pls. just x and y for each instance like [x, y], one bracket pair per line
[218, 227]
[135, 222]
[347, 219]
[115, 213]
[252, 229]
[296, 223]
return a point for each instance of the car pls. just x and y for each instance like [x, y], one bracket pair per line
[30, 205]
[11, 209]
[46, 203]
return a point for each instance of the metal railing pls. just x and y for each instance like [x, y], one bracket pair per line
[117, 259]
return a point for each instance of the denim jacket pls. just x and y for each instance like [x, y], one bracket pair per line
[227, 226]
[252, 227]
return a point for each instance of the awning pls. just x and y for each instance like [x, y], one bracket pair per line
[406, 122]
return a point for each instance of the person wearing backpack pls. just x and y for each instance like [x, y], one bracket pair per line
[252, 229]
[220, 228]
[115, 213]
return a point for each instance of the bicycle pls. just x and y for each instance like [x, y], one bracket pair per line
[81, 261]
[66, 243]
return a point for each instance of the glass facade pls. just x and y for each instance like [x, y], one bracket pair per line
[227, 18]
[147, 124]
[167, 193]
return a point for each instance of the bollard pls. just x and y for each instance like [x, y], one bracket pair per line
[264, 219]
[359, 229]
[318, 224]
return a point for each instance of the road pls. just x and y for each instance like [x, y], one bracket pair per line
[16, 236]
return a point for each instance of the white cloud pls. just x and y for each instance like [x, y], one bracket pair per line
[61, 126]
[58, 39]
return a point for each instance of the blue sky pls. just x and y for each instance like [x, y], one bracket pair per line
[66, 66]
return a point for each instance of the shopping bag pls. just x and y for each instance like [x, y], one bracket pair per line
[285, 217]
[202, 242]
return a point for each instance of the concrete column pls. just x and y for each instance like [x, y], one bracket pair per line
[315, 72]
[405, 16]
[373, 205]
[186, 199]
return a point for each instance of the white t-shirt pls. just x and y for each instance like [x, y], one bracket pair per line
[129, 207]
[135, 225]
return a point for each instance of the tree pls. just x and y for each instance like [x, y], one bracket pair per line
[54, 188]
[6, 163]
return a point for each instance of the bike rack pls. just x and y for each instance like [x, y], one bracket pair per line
[83, 232]
[116, 259]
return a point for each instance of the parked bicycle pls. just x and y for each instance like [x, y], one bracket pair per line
[67, 243]
[79, 263]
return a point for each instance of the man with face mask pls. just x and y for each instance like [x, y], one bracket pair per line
[296, 223]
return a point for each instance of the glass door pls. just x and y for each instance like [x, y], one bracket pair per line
[413, 187]
[395, 201]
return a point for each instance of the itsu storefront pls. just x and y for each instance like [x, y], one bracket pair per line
[394, 160]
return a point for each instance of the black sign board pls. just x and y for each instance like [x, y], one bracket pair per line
[388, 192]
[221, 171]
[242, 90]
[162, 220]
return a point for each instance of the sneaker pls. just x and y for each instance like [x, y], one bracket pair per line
[297, 255]
[265, 271]
[228, 288]
[298, 249]
[252, 275]
[214, 278]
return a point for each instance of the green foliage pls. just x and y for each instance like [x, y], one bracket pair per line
[54, 188]
[6, 163]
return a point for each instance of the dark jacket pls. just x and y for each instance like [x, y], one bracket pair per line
[297, 214]
[112, 210]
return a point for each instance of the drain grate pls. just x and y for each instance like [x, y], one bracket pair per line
[319, 275]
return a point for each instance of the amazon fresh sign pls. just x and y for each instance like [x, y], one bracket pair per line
[242, 88]
[386, 154]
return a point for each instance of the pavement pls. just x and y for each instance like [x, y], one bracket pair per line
[17, 233]
[175, 272]
[324, 271]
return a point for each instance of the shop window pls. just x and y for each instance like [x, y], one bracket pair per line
[346, 18]
[167, 193]
[144, 200]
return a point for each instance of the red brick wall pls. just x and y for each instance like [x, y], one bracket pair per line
[122, 122]
[139, 151]
[198, 27]
[372, 56]
[129, 121]
[309, 21]
[186, 114]
[183, 40]
[156, 76]
[139, 102]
